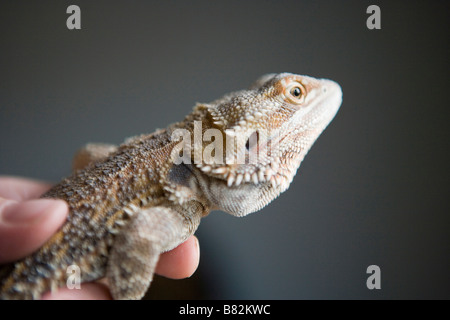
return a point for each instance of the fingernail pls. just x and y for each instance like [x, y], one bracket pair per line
[30, 212]
[197, 245]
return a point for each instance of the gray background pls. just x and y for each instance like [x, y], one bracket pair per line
[373, 189]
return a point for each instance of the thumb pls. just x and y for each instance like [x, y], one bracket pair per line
[26, 226]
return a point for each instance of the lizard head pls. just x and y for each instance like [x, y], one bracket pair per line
[254, 140]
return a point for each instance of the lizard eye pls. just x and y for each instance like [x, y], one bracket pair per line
[295, 93]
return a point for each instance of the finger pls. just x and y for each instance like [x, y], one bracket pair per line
[88, 291]
[180, 262]
[21, 189]
[26, 226]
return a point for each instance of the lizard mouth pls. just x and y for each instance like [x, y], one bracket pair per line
[268, 164]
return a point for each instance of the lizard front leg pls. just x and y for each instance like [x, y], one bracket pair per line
[137, 247]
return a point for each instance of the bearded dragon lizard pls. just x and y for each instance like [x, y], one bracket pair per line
[130, 203]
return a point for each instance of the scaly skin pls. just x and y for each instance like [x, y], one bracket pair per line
[128, 204]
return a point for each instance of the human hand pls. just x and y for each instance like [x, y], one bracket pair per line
[26, 223]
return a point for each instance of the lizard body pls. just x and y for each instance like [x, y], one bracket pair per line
[130, 203]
